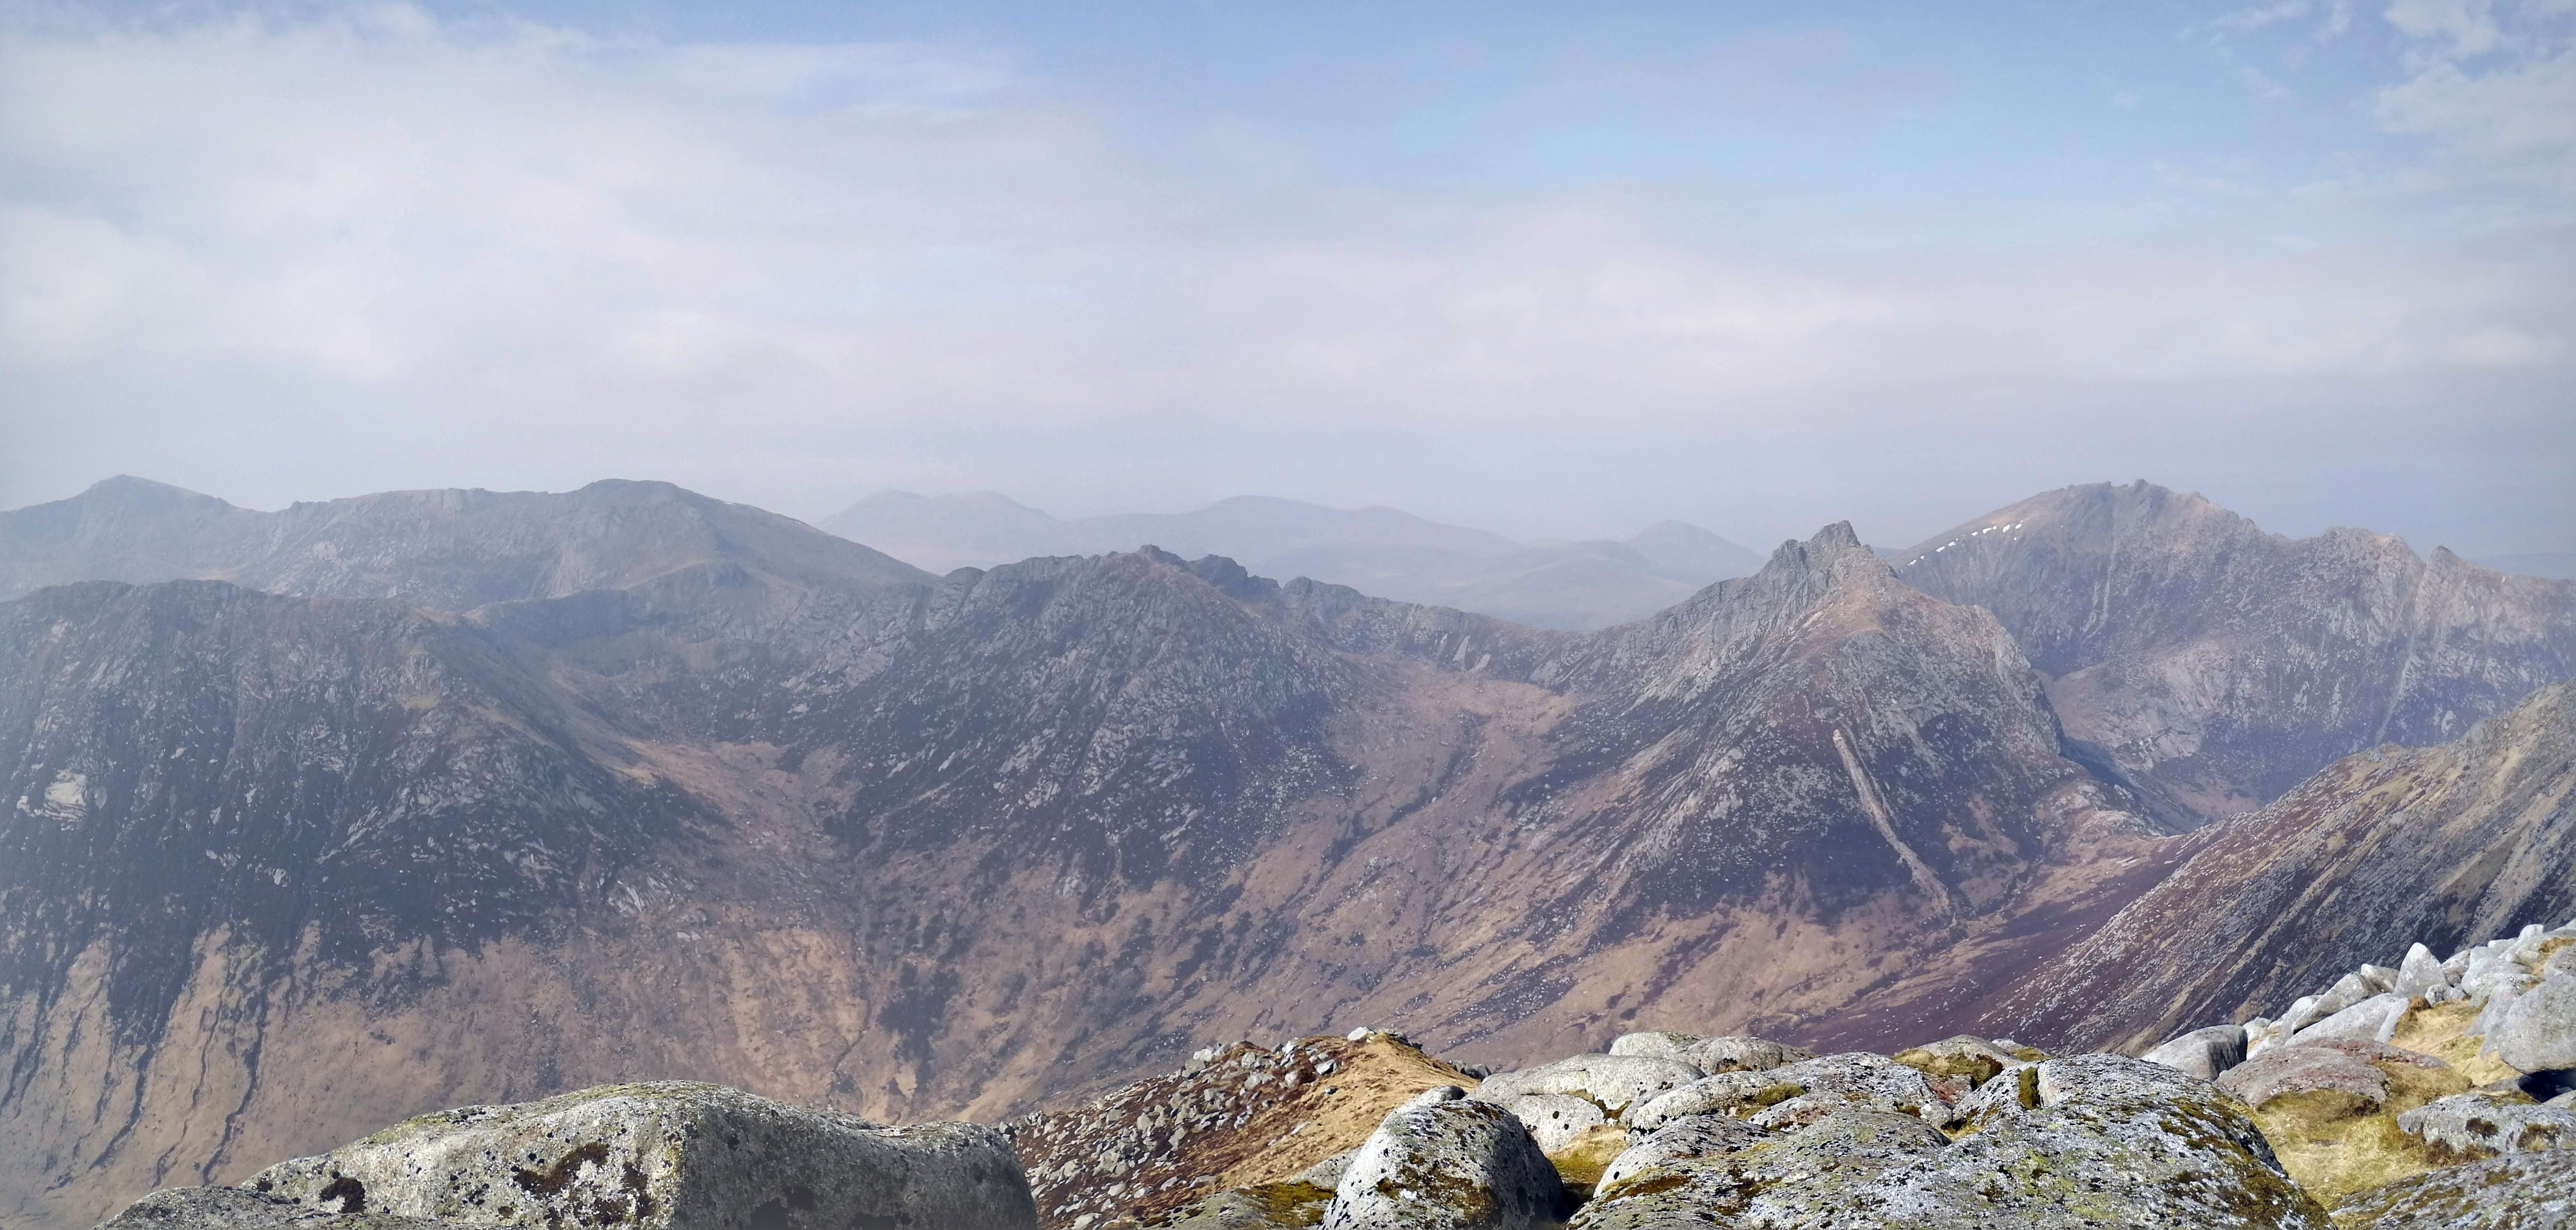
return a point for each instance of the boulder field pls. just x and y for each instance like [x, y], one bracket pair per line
[2432, 1093]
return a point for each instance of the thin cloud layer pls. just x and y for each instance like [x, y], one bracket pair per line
[283, 256]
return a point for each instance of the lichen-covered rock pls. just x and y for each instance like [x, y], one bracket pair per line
[238, 1208]
[1815, 1086]
[1273, 1206]
[1553, 1119]
[1860, 1078]
[2204, 1053]
[1696, 1136]
[1716, 1094]
[1725, 1053]
[1444, 1161]
[670, 1156]
[1801, 1179]
[2105, 1141]
[2538, 1032]
[1616, 1082]
[2519, 1191]
[2483, 1122]
[1327, 1174]
[1964, 1055]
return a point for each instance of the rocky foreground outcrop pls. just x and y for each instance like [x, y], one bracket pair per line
[2391, 1100]
[651, 1157]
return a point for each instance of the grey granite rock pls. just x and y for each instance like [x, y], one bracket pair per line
[2108, 1141]
[2345, 1067]
[1444, 1161]
[2370, 1020]
[1553, 1119]
[1616, 1082]
[1975, 1059]
[1855, 1078]
[2205, 1053]
[2420, 972]
[669, 1156]
[1282, 1207]
[238, 1208]
[2486, 1121]
[2539, 1032]
[2519, 1191]
[1725, 1053]
[1718, 1093]
[1695, 1136]
[1801, 1179]
[1327, 1174]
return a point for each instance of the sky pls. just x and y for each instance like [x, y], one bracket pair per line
[1552, 270]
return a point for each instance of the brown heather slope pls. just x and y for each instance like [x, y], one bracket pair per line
[2220, 665]
[920, 848]
[2439, 845]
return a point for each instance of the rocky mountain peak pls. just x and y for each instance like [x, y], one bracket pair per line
[2223, 664]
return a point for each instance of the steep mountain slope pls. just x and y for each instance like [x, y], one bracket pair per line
[2443, 845]
[2222, 664]
[444, 550]
[916, 849]
[213, 796]
[1571, 585]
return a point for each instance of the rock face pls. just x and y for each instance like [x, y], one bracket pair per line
[2443, 845]
[666, 1157]
[2526, 1191]
[2480, 1123]
[2223, 664]
[2082, 1141]
[234, 1208]
[2538, 1032]
[1797, 1179]
[2206, 1053]
[1444, 1161]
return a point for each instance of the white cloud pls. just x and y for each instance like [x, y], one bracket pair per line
[2468, 27]
[2494, 87]
[374, 231]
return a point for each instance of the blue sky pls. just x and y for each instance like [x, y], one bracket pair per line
[1542, 270]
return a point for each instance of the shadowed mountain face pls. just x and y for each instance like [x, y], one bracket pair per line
[757, 806]
[1572, 585]
[2219, 664]
[2439, 845]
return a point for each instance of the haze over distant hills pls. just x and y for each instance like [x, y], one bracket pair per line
[1380, 551]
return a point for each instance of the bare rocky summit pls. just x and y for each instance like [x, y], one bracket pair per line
[2224, 664]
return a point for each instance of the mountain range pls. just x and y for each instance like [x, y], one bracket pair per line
[314, 819]
[1381, 551]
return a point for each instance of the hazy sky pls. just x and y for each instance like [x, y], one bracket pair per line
[1547, 269]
